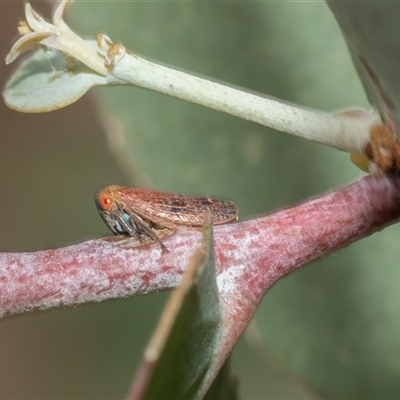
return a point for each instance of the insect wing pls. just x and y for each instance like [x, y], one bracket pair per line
[163, 207]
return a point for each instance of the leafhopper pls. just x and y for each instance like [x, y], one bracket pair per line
[144, 213]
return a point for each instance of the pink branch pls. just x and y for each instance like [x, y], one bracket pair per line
[256, 253]
[250, 255]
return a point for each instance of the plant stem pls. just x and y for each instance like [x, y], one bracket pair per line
[347, 132]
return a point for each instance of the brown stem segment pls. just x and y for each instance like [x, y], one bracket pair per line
[384, 149]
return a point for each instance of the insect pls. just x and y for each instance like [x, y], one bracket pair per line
[150, 214]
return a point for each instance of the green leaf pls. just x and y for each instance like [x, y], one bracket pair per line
[186, 340]
[47, 81]
[372, 33]
[224, 386]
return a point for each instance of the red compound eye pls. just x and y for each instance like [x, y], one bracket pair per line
[106, 201]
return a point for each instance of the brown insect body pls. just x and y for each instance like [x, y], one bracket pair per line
[137, 212]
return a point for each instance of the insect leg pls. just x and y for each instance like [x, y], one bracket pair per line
[123, 224]
[148, 231]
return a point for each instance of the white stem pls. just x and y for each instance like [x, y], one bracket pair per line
[342, 131]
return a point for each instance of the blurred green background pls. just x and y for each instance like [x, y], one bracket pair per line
[331, 328]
